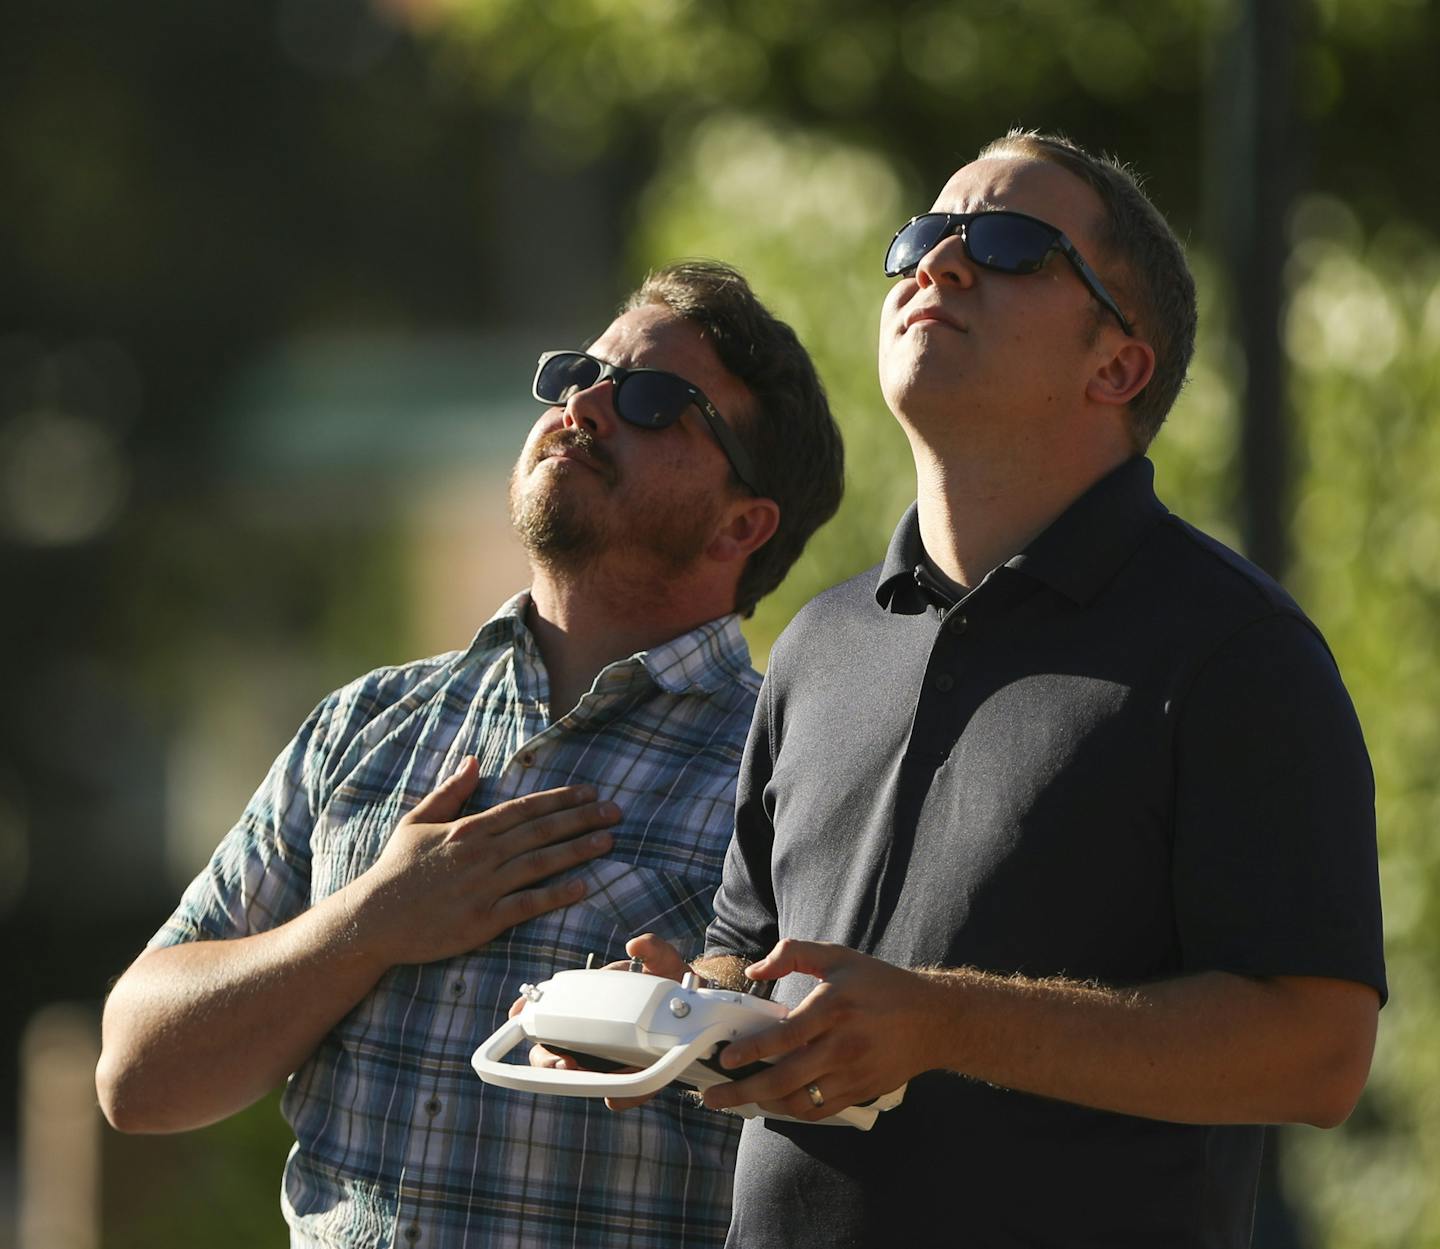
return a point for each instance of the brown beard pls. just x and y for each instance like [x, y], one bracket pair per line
[550, 525]
[560, 534]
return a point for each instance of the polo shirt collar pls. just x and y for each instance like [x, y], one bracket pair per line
[1087, 544]
[1077, 555]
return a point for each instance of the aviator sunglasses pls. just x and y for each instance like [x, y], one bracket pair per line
[649, 398]
[1007, 242]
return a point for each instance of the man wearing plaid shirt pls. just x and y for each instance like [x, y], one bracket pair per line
[438, 833]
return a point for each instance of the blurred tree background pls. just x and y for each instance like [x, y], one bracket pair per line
[272, 276]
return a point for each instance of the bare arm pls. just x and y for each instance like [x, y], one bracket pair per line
[1210, 1048]
[195, 1032]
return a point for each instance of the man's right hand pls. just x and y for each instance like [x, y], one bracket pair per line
[447, 883]
[193, 1032]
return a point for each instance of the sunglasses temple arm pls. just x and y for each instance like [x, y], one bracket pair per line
[1097, 288]
[734, 452]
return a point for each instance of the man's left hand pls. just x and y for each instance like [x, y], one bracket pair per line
[862, 1031]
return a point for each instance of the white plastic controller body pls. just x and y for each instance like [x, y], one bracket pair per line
[647, 1022]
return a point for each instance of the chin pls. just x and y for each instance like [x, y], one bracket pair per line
[909, 385]
[554, 529]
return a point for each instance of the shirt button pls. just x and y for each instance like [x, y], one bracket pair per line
[957, 623]
[432, 1107]
[944, 683]
[527, 760]
[412, 1233]
[457, 988]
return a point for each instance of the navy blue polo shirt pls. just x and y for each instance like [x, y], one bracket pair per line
[1125, 756]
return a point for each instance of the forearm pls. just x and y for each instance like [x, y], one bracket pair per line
[195, 1032]
[1210, 1048]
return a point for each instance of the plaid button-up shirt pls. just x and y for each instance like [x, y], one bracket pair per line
[397, 1141]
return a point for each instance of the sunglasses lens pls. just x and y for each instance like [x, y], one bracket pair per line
[913, 241]
[1009, 243]
[652, 400]
[564, 374]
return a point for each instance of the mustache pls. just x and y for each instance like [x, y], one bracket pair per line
[580, 440]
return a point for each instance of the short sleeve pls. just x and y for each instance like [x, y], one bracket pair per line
[259, 876]
[1275, 865]
[745, 920]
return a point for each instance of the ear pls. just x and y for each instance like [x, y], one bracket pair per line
[746, 526]
[1122, 375]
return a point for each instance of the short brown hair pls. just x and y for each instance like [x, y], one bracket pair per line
[791, 436]
[1153, 286]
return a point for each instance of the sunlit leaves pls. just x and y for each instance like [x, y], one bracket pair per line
[598, 67]
[1364, 333]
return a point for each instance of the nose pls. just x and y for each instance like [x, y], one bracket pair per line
[946, 263]
[592, 409]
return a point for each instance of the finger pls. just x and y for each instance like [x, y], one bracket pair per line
[541, 1057]
[786, 1087]
[809, 958]
[773, 1085]
[443, 803]
[806, 1024]
[626, 1103]
[548, 845]
[537, 865]
[659, 957]
[500, 846]
[514, 812]
[516, 908]
[834, 1097]
[773, 1043]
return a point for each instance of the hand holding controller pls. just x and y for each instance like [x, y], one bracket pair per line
[609, 1018]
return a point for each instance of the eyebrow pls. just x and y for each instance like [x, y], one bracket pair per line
[983, 205]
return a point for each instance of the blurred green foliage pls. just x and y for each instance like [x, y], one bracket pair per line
[1364, 337]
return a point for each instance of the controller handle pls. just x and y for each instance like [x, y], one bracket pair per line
[651, 1079]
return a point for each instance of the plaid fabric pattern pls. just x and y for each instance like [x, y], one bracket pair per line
[397, 1141]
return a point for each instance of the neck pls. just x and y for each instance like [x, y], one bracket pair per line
[976, 513]
[582, 622]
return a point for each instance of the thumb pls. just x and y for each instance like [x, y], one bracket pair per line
[443, 803]
[810, 958]
[658, 955]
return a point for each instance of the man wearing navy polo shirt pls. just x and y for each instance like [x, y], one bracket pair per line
[1062, 814]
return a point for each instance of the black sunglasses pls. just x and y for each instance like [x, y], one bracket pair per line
[1007, 242]
[649, 398]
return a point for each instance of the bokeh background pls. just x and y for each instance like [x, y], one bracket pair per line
[273, 274]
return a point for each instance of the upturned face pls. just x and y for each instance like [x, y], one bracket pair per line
[589, 484]
[966, 347]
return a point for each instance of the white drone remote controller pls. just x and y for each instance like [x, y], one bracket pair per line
[609, 1020]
